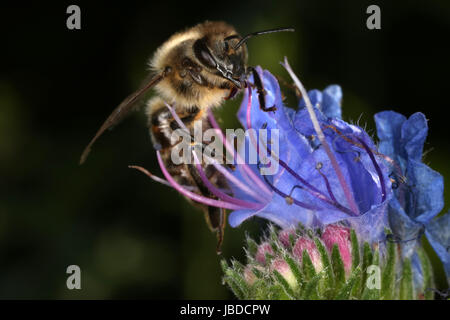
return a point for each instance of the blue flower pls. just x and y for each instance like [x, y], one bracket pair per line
[418, 189]
[307, 189]
[331, 171]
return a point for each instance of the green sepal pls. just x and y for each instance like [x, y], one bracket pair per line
[291, 241]
[347, 290]
[310, 291]
[427, 271]
[356, 261]
[295, 268]
[224, 265]
[284, 284]
[373, 293]
[252, 247]
[307, 266]
[257, 272]
[388, 273]
[259, 290]
[234, 288]
[328, 270]
[338, 267]
[355, 249]
[366, 261]
[237, 283]
[277, 292]
[406, 283]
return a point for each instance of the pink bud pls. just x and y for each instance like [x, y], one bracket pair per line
[310, 247]
[249, 276]
[284, 237]
[283, 268]
[263, 248]
[335, 234]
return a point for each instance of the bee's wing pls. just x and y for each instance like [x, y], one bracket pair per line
[123, 109]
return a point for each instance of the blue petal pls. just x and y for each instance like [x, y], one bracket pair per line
[284, 215]
[315, 96]
[237, 217]
[303, 124]
[389, 126]
[438, 234]
[331, 102]
[426, 187]
[404, 228]
[370, 225]
[414, 134]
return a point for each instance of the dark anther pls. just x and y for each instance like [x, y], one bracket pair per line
[394, 182]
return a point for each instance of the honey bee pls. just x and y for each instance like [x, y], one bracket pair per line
[192, 71]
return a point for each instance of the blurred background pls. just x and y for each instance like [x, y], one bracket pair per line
[134, 238]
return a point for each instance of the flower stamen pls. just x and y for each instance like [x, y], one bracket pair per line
[321, 136]
[327, 183]
[289, 198]
[246, 171]
[221, 195]
[191, 195]
[377, 168]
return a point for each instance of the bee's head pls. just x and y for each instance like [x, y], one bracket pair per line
[226, 56]
[219, 56]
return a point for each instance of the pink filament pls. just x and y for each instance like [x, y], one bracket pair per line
[237, 182]
[246, 170]
[194, 196]
[221, 195]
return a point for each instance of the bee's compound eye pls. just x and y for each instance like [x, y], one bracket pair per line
[203, 54]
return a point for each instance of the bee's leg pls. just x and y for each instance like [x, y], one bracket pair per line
[261, 92]
[221, 230]
[193, 69]
[215, 217]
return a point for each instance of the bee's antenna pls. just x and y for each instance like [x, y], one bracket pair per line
[250, 35]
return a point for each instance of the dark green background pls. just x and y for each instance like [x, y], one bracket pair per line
[134, 238]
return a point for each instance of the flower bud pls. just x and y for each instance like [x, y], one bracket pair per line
[284, 237]
[283, 268]
[335, 234]
[310, 247]
[261, 253]
[249, 276]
